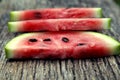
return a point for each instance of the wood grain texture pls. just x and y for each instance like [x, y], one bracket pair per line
[107, 68]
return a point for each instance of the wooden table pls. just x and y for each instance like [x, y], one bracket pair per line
[89, 69]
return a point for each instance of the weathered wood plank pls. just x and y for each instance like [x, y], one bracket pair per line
[89, 69]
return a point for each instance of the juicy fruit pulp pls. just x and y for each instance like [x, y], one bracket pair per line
[62, 45]
[60, 24]
[55, 13]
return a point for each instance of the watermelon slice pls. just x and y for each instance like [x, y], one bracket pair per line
[62, 45]
[55, 13]
[60, 24]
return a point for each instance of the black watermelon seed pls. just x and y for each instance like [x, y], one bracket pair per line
[65, 39]
[33, 40]
[47, 39]
[80, 44]
[37, 14]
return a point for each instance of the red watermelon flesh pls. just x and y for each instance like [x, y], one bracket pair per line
[55, 13]
[60, 24]
[61, 45]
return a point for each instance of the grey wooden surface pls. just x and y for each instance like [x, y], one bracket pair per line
[89, 69]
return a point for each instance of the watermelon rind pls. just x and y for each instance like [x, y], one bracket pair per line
[15, 15]
[113, 44]
[107, 23]
[98, 12]
[9, 53]
[13, 26]
[10, 45]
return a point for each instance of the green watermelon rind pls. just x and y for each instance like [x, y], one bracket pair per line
[100, 12]
[107, 23]
[114, 44]
[12, 16]
[8, 53]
